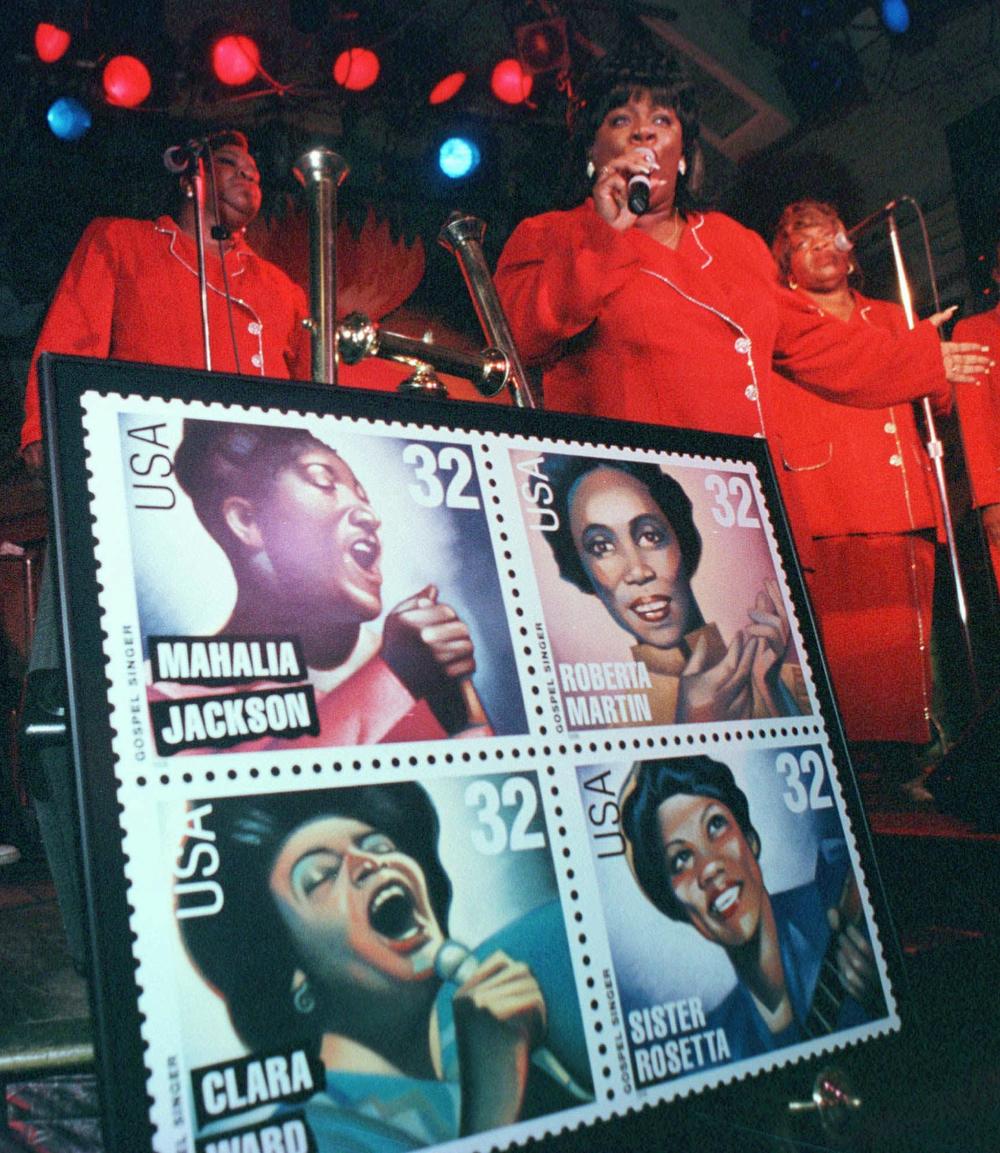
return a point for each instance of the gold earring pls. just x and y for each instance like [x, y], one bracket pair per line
[792, 283]
[851, 267]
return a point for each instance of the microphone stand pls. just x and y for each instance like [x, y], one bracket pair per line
[935, 451]
[198, 186]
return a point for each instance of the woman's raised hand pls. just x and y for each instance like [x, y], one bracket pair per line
[965, 363]
[769, 623]
[499, 1018]
[430, 649]
[610, 187]
[717, 692]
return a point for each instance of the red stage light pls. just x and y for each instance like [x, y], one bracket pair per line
[235, 60]
[126, 81]
[543, 46]
[510, 83]
[356, 69]
[51, 42]
[447, 87]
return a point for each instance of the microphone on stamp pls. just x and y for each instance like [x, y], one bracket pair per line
[455, 964]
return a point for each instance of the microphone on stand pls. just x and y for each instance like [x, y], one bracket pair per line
[844, 241]
[638, 186]
[180, 158]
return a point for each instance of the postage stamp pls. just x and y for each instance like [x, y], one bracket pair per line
[662, 596]
[471, 786]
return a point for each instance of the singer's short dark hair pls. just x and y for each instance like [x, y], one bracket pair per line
[563, 473]
[218, 459]
[649, 784]
[805, 213]
[221, 137]
[641, 63]
[245, 951]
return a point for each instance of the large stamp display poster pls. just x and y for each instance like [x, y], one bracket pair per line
[450, 780]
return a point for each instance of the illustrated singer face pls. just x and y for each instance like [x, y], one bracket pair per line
[627, 535]
[343, 887]
[632, 556]
[318, 534]
[695, 854]
[713, 868]
[293, 519]
[357, 909]
[693, 848]
[304, 545]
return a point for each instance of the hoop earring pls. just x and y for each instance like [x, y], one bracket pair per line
[792, 284]
[303, 999]
[851, 267]
[591, 170]
[682, 167]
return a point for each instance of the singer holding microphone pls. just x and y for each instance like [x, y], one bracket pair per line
[664, 312]
[333, 937]
[306, 553]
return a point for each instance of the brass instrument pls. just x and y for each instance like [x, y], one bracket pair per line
[358, 337]
[463, 237]
[321, 173]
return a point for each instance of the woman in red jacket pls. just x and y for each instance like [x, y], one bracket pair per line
[979, 413]
[860, 495]
[668, 314]
[130, 291]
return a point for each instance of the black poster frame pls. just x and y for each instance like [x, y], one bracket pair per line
[118, 1018]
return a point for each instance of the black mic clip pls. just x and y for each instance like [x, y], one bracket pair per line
[884, 213]
[181, 158]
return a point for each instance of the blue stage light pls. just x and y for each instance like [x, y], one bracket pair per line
[896, 15]
[458, 157]
[68, 118]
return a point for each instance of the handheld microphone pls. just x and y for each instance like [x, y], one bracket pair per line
[180, 158]
[455, 964]
[638, 187]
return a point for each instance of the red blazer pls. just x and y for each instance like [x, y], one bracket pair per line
[626, 327]
[846, 470]
[979, 411]
[131, 292]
